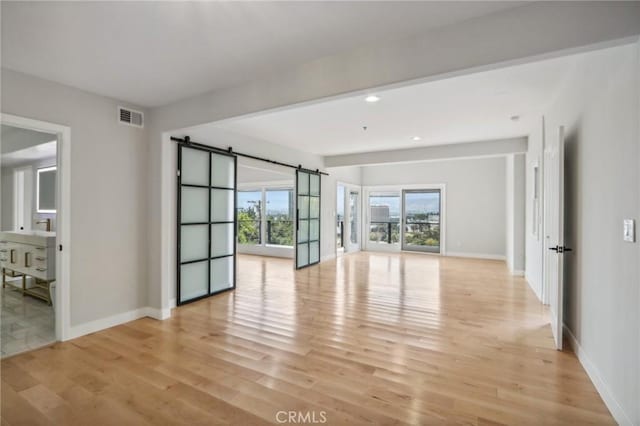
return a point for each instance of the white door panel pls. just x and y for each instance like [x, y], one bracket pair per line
[554, 231]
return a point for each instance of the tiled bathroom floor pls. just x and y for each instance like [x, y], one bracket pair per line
[25, 322]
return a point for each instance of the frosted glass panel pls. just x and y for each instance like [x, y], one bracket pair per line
[303, 231]
[195, 167]
[314, 181]
[303, 183]
[221, 274]
[222, 205]
[222, 171]
[194, 242]
[303, 254]
[194, 280]
[314, 229]
[314, 207]
[314, 252]
[221, 239]
[303, 207]
[195, 205]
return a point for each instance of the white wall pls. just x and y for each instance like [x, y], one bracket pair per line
[475, 199]
[108, 194]
[599, 107]
[515, 220]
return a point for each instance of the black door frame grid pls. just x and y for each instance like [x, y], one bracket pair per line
[209, 223]
[319, 197]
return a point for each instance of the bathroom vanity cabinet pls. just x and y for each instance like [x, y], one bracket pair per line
[29, 253]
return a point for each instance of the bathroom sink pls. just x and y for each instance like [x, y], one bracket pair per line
[41, 238]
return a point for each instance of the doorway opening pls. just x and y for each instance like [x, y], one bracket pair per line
[348, 218]
[265, 210]
[34, 194]
[340, 197]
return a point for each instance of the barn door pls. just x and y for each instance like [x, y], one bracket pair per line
[307, 218]
[206, 222]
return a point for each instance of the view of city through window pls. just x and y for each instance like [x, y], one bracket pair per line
[276, 218]
[422, 218]
[384, 224]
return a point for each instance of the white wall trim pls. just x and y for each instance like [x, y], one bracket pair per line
[618, 413]
[518, 273]
[118, 319]
[63, 219]
[104, 323]
[477, 255]
[328, 257]
[158, 314]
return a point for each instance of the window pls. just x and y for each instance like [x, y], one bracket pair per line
[422, 220]
[249, 217]
[279, 218]
[384, 215]
[265, 217]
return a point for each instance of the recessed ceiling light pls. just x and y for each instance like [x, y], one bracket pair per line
[372, 98]
[416, 138]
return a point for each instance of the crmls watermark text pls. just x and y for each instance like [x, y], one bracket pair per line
[301, 417]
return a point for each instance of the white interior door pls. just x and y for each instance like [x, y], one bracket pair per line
[554, 230]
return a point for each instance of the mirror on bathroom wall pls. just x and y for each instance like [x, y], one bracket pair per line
[46, 190]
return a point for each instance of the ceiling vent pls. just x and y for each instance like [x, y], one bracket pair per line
[130, 117]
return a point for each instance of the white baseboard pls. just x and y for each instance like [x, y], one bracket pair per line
[114, 320]
[108, 322]
[518, 273]
[476, 255]
[610, 401]
[173, 302]
[327, 257]
[159, 314]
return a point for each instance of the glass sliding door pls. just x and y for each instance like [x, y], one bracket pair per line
[384, 219]
[421, 230]
[307, 218]
[206, 218]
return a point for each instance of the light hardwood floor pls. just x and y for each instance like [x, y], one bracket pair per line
[366, 339]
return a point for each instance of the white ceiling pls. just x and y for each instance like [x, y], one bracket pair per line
[16, 139]
[461, 109]
[42, 152]
[154, 53]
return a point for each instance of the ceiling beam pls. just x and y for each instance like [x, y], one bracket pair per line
[513, 36]
[490, 148]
